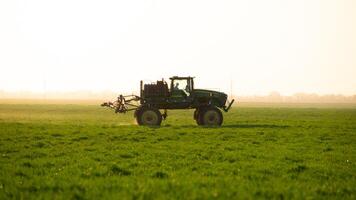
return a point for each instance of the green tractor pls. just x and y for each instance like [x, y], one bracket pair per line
[180, 95]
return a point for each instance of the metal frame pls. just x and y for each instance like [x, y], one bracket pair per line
[123, 104]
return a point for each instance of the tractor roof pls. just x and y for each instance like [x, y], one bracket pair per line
[181, 77]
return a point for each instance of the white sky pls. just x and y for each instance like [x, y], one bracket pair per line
[260, 45]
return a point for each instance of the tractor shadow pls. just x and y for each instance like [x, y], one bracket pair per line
[236, 126]
[255, 126]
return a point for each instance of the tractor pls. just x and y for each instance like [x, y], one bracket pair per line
[156, 97]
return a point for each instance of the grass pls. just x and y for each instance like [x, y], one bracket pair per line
[87, 152]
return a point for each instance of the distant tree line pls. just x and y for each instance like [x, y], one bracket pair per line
[272, 97]
[300, 97]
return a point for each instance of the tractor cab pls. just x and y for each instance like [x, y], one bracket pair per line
[181, 86]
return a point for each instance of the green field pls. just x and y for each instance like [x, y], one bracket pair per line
[261, 151]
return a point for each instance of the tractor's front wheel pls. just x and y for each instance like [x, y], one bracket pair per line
[210, 116]
[196, 116]
[149, 117]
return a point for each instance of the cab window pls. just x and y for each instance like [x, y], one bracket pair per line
[181, 85]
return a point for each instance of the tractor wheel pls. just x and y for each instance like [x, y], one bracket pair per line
[210, 116]
[149, 117]
[196, 113]
[196, 116]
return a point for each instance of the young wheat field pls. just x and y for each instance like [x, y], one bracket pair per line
[262, 151]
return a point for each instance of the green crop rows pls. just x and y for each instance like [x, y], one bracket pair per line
[88, 152]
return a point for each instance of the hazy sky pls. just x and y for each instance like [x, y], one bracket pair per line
[259, 45]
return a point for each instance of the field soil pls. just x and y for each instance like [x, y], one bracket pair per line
[262, 151]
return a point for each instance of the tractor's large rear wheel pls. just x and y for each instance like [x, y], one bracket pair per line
[149, 117]
[210, 116]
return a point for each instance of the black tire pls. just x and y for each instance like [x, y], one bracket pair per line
[149, 117]
[210, 116]
[196, 112]
[196, 116]
[136, 114]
